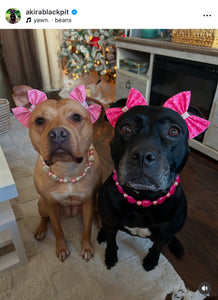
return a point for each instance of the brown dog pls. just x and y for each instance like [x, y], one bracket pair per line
[67, 173]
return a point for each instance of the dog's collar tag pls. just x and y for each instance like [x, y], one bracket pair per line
[146, 202]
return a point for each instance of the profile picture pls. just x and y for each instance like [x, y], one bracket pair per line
[13, 15]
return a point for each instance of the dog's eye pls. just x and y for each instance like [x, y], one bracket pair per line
[174, 131]
[76, 117]
[126, 129]
[40, 121]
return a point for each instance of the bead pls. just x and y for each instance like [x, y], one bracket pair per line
[73, 180]
[176, 183]
[161, 199]
[46, 169]
[125, 108]
[139, 203]
[90, 163]
[146, 203]
[61, 180]
[125, 195]
[131, 199]
[84, 174]
[120, 189]
[155, 202]
[91, 158]
[115, 177]
[55, 177]
[50, 173]
[87, 170]
[78, 178]
[168, 195]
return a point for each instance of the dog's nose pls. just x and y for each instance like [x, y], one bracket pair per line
[58, 135]
[144, 157]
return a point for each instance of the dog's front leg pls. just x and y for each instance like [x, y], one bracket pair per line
[55, 218]
[87, 248]
[111, 250]
[151, 259]
[41, 231]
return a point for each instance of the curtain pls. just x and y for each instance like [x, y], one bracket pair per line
[48, 48]
[20, 56]
[31, 57]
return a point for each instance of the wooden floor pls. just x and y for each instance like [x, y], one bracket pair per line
[200, 183]
[199, 235]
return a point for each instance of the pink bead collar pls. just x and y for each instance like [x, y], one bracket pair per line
[53, 176]
[146, 202]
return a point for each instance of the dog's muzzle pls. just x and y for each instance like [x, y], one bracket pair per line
[143, 168]
[59, 144]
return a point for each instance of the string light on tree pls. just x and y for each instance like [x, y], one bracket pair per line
[84, 50]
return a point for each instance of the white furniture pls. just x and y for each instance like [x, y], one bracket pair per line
[9, 232]
[145, 50]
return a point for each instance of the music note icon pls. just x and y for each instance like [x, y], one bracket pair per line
[28, 20]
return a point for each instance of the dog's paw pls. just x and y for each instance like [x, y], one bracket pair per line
[41, 231]
[101, 236]
[87, 253]
[62, 250]
[110, 258]
[177, 248]
[39, 235]
[150, 262]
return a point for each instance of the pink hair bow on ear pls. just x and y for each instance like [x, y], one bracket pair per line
[79, 94]
[23, 113]
[180, 103]
[134, 98]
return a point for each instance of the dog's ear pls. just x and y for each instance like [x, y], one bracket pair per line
[90, 101]
[20, 95]
[193, 110]
[26, 100]
[119, 103]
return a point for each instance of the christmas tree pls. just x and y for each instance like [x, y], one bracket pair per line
[84, 50]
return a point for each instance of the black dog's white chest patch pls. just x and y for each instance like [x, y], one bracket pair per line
[142, 232]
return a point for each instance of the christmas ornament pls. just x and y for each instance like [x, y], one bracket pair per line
[94, 42]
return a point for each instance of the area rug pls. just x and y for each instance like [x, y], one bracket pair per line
[45, 277]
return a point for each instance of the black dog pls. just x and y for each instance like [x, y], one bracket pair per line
[149, 149]
[12, 16]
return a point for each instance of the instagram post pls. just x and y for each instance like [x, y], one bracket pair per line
[109, 150]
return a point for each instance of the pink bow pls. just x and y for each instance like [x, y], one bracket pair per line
[79, 94]
[23, 113]
[134, 98]
[180, 103]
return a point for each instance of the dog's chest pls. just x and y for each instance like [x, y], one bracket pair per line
[142, 232]
[69, 194]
